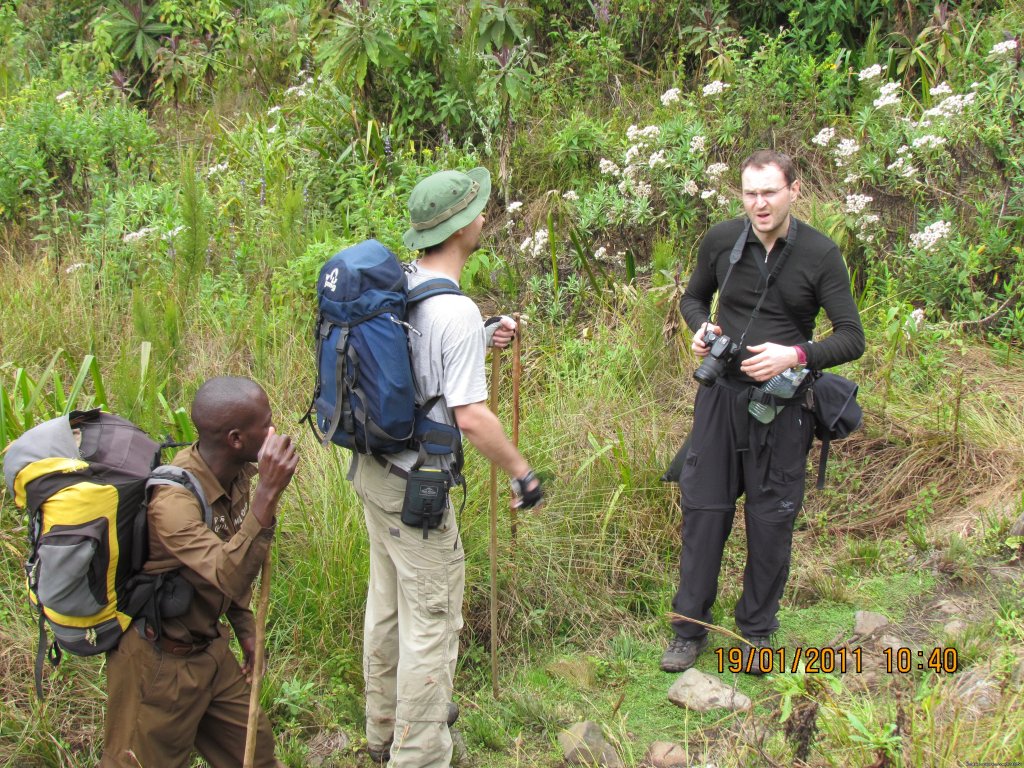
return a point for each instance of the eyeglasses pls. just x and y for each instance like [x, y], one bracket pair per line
[764, 194]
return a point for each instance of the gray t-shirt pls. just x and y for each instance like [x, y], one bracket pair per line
[447, 357]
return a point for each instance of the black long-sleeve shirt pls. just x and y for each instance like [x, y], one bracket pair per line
[814, 277]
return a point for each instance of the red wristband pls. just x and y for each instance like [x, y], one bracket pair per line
[801, 356]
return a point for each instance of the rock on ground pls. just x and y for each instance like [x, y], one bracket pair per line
[665, 754]
[702, 692]
[584, 744]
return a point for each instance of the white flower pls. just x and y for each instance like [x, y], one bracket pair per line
[916, 320]
[932, 234]
[75, 267]
[824, 137]
[698, 145]
[632, 153]
[658, 158]
[715, 170]
[174, 232]
[714, 88]
[942, 89]
[1004, 48]
[951, 105]
[133, 236]
[870, 73]
[857, 203]
[866, 231]
[643, 189]
[844, 149]
[903, 168]
[64, 95]
[928, 141]
[571, 196]
[889, 95]
[536, 243]
[213, 170]
[705, 194]
[514, 206]
[723, 200]
[644, 135]
[273, 110]
[903, 149]
[608, 168]
[851, 178]
[601, 253]
[272, 128]
[690, 187]
[629, 172]
[671, 96]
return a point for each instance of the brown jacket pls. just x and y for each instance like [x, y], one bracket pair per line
[222, 563]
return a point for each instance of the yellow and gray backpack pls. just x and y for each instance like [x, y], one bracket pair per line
[84, 480]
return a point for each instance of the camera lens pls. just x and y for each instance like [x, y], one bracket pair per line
[709, 370]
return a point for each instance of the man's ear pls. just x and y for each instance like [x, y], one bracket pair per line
[234, 439]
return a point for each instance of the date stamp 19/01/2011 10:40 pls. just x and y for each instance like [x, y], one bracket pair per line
[826, 660]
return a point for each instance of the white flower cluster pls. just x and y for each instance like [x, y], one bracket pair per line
[131, 237]
[915, 323]
[844, 150]
[274, 110]
[857, 203]
[903, 167]
[643, 135]
[951, 106]
[299, 90]
[928, 141]
[714, 88]
[930, 237]
[866, 75]
[669, 97]
[65, 95]
[706, 193]
[824, 137]
[174, 232]
[942, 89]
[1004, 48]
[603, 254]
[72, 268]
[600, 253]
[514, 206]
[690, 187]
[535, 243]
[272, 128]
[715, 170]
[889, 94]
[631, 184]
[698, 145]
[656, 159]
[867, 232]
[213, 170]
[571, 196]
[608, 168]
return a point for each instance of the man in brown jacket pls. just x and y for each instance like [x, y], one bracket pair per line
[184, 691]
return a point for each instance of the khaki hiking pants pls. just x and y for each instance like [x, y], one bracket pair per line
[162, 708]
[413, 619]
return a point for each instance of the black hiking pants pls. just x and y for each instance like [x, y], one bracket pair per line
[730, 454]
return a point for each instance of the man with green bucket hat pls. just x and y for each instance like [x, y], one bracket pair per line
[414, 601]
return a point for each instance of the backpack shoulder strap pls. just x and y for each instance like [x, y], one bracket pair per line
[435, 286]
[168, 474]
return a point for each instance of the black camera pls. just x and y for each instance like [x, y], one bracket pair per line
[721, 351]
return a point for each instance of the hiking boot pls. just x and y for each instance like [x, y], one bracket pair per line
[682, 653]
[753, 666]
[379, 755]
[453, 713]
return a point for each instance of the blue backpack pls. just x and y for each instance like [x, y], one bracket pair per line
[365, 399]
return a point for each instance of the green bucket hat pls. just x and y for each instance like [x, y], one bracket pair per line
[444, 203]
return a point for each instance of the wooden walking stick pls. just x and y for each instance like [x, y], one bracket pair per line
[257, 663]
[517, 370]
[493, 549]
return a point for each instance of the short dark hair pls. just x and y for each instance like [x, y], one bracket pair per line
[223, 403]
[766, 157]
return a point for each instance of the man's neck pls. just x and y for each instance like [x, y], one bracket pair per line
[448, 261]
[768, 239]
[223, 468]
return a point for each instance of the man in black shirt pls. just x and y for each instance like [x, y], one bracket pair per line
[728, 452]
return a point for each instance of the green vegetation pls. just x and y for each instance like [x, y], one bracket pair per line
[172, 176]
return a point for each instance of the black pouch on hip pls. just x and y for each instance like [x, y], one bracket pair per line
[426, 498]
